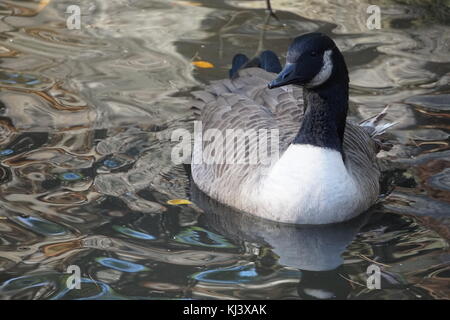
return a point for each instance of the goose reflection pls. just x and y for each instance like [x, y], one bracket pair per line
[315, 250]
[306, 247]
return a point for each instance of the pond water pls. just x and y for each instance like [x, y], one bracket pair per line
[85, 173]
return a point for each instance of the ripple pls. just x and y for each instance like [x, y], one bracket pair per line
[86, 118]
[6, 264]
[90, 290]
[441, 180]
[434, 102]
[6, 130]
[25, 282]
[42, 226]
[121, 265]
[6, 152]
[64, 198]
[202, 237]
[238, 274]
[56, 249]
[56, 156]
[408, 203]
[23, 81]
[133, 233]
[70, 176]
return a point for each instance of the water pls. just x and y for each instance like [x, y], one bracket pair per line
[85, 176]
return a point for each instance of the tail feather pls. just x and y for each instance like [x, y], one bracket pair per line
[270, 61]
[382, 128]
[239, 60]
[373, 126]
[266, 60]
[375, 129]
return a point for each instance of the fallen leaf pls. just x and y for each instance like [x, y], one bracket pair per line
[42, 4]
[175, 202]
[189, 3]
[203, 64]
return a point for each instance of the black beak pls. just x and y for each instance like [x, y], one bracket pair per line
[285, 77]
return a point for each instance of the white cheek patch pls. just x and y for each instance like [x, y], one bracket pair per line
[325, 71]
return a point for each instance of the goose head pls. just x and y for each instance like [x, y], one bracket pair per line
[312, 61]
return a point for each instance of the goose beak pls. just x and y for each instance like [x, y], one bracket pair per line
[285, 77]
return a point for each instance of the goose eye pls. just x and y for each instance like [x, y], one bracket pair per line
[313, 53]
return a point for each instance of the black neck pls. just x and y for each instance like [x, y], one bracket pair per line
[326, 107]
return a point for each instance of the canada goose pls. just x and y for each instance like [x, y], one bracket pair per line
[326, 169]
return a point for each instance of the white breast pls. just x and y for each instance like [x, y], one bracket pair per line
[309, 185]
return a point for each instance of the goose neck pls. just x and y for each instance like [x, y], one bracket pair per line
[325, 116]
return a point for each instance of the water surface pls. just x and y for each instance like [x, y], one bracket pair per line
[85, 171]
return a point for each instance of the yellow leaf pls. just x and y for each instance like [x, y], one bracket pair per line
[203, 64]
[175, 202]
[189, 3]
[42, 4]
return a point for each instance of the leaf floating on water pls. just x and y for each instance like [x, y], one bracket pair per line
[42, 4]
[175, 202]
[189, 3]
[203, 64]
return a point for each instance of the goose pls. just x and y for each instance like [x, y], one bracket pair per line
[323, 168]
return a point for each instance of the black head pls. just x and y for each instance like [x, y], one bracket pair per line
[312, 60]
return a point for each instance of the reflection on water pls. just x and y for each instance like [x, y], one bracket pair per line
[85, 171]
[312, 248]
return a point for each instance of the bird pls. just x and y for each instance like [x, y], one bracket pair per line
[323, 168]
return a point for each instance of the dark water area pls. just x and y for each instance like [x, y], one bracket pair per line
[85, 174]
